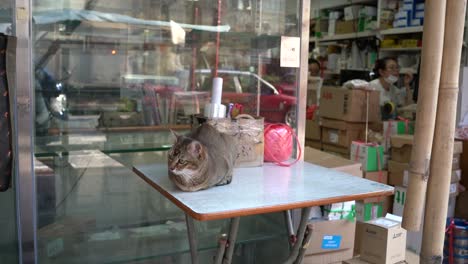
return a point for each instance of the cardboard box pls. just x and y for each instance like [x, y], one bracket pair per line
[340, 211]
[335, 257]
[402, 146]
[368, 211]
[401, 194]
[381, 177]
[331, 241]
[360, 261]
[455, 177]
[336, 150]
[368, 11]
[349, 104]
[396, 172]
[383, 241]
[316, 144]
[346, 27]
[414, 239]
[369, 155]
[313, 129]
[391, 128]
[358, 237]
[332, 161]
[352, 12]
[341, 133]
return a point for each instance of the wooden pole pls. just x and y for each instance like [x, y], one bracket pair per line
[442, 151]
[431, 63]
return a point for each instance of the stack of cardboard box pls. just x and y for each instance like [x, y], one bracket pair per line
[332, 240]
[344, 113]
[374, 166]
[398, 166]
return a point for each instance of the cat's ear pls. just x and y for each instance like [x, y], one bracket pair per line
[195, 148]
[174, 134]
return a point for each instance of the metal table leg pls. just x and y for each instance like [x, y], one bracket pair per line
[222, 244]
[232, 237]
[290, 229]
[305, 245]
[300, 236]
[192, 236]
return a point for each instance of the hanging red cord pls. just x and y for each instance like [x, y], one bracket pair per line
[218, 39]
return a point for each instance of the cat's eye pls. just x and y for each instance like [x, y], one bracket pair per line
[182, 162]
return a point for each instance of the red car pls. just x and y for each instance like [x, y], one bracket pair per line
[248, 89]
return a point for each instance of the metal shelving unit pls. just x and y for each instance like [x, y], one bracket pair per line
[364, 34]
[404, 30]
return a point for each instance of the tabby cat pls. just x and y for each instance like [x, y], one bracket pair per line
[202, 159]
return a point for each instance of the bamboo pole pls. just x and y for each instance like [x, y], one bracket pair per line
[442, 152]
[431, 62]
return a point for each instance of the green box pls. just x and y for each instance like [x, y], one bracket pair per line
[369, 155]
[368, 211]
[396, 127]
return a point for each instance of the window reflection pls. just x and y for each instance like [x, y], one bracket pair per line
[129, 63]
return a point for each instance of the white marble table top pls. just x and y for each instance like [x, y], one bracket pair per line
[265, 189]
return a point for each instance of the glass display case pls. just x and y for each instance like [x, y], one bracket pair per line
[109, 78]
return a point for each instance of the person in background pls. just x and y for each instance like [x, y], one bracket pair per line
[314, 67]
[388, 73]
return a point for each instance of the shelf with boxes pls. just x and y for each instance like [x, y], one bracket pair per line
[353, 35]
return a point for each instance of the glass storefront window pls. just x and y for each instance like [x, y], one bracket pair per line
[110, 78]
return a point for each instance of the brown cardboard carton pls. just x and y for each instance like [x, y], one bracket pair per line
[345, 27]
[349, 104]
[402, 146]
[358, 237]
[360, 261]
[336, 150]
[331, 241]
[340, 133]
[313, 129]
[383, 241]
[396, 172]
[316, 144]
[335, 257]
[355, 261]
[332, 161]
